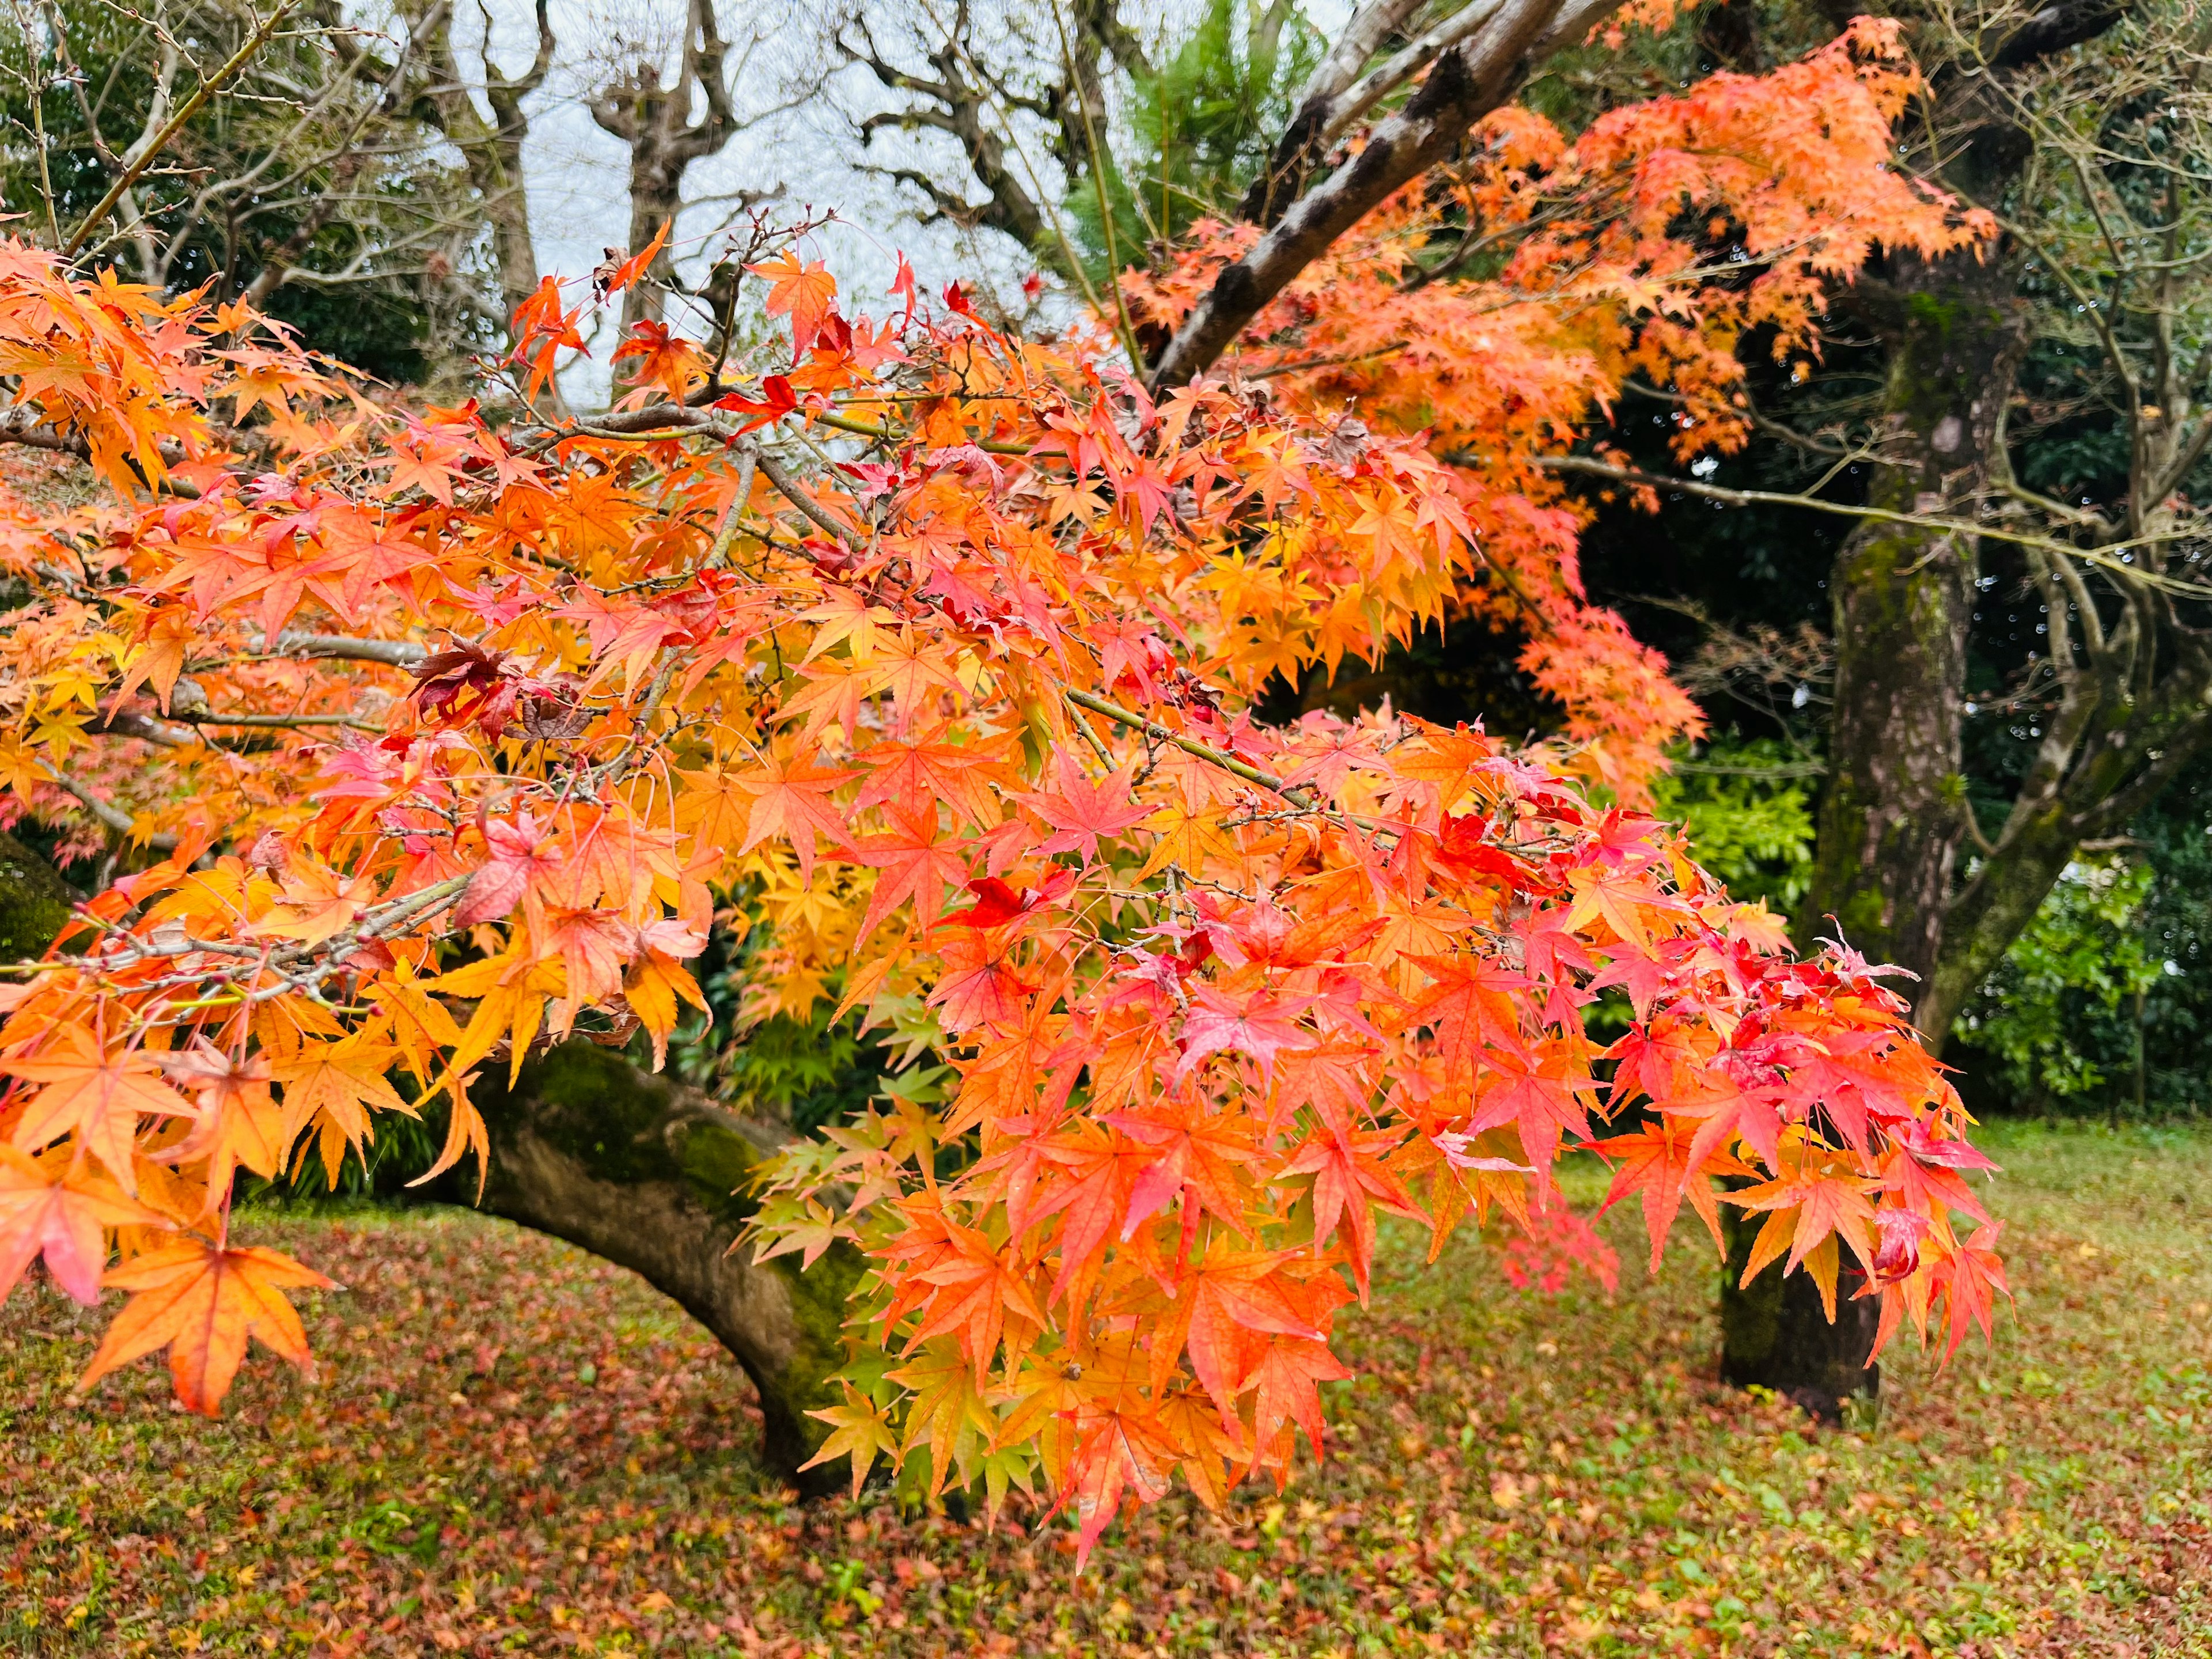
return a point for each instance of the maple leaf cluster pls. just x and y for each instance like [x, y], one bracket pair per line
[1644, 251]
[440, 739]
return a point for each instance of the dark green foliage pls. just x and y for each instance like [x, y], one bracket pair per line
[805, 1073]
[1697, 562]
[1464, 671]
[2057, 1028]
[1748, 808]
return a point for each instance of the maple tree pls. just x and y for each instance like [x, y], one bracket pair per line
[446, 737]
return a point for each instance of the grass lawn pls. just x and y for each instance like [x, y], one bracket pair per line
[516, 1448]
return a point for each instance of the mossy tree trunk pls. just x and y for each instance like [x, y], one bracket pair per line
[633, 1168]
[650, 1175]
[1894, 815]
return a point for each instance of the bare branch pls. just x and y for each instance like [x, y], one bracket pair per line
[2107, 556]
[394, 653]
[160, 141]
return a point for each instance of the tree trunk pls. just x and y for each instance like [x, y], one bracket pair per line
[1775, 1333]
[1983, 920]
[642, 1171]
[1894, 811]
[512, 250]
[1893, 814]
[490, 150]
[655, 198]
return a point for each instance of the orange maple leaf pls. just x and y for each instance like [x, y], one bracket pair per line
[804, 289]
[202, 1303]
[61, 1213]
[98, 1096]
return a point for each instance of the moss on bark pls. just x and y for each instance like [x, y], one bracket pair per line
[652, 1176]
[34, 901]
[1893, 813]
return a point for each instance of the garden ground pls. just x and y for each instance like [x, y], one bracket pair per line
[515, 1448]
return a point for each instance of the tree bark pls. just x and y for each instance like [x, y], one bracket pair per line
[655, 199]
[1893, 814]
[490, 150]
[648, 1175]
[656, 123]
[1463, 84]
[1776, 1334]
[1894, 811]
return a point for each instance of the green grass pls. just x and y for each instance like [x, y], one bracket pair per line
[516, 1448]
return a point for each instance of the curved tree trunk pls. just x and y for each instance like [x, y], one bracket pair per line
[642, 1171]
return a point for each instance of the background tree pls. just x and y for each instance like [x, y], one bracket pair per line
[2019, 617]
[489, 135]
[668, 127]
[950, 92]
[297, 183]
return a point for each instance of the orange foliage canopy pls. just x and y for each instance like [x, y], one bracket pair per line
[1650, 249]
[441, 739]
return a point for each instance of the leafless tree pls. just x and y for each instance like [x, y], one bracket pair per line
[224, 142]
[489, 135]
[1018, 91]
[669, 124]
[275, 150]
[1418, 73]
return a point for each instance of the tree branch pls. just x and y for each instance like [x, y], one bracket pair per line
[392, 653]
[2106, 557]
[1465, 84]
[206, 89]
[113, 817]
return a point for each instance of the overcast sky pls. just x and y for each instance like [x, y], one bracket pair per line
[578, 174]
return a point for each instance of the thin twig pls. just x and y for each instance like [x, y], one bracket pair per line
[789, 488]
[1227, 762]
[188, 108]
[113, 817]
[2106, 556]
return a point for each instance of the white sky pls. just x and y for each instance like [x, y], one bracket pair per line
[578, 174]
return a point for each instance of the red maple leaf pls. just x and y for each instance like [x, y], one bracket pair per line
[790, 799]
[62, 1214]
[919, 862]
[520, 854]
[1083, 813]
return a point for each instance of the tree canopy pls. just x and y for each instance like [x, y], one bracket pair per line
[442, 733]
